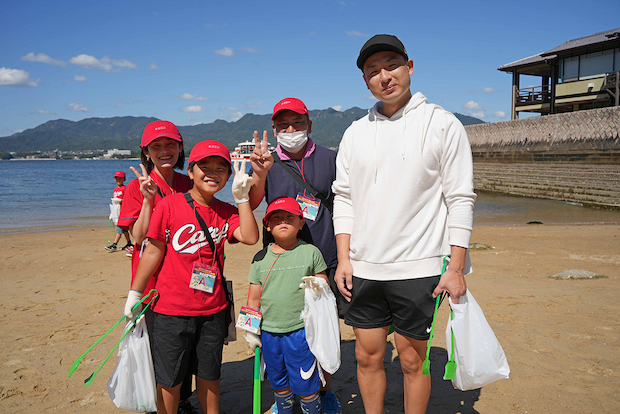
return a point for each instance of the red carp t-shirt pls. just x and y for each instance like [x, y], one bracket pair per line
[175, 223]
[132, 205]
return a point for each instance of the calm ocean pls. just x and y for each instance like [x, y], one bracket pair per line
[40, 195]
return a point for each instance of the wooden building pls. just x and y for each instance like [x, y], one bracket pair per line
[579, 74]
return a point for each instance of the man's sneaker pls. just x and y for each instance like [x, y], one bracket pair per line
[111, 248]
[128, 249]
[185, 407]
[330, 403]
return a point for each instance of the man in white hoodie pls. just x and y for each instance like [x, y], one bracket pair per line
[403, 202]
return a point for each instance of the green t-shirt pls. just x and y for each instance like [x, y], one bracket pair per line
[282, 300]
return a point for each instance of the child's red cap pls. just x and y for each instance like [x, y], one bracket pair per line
[158, 129]
[119, 174]
[209, 148]
[287, 204]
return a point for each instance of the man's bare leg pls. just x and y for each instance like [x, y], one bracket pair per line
[370, 348]
[168, 399]
[411, 353]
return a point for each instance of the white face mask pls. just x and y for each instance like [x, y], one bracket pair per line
[292, 142]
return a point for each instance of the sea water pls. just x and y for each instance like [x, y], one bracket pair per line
[52, 194]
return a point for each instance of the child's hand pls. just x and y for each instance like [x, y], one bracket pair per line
[148, 186]
[253, 340]
[311, 282]
[241, 183]
[133, 298]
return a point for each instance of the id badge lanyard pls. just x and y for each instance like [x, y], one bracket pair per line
[308, 202]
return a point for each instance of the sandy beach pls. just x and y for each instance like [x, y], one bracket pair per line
[61, 291]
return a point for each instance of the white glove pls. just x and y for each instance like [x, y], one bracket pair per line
[253, 340]
[311, 282]
[133, 297]
[241, 183]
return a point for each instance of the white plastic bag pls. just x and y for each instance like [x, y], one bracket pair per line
[480, 359]
[322, 327]
[115, 212]
[132, 384]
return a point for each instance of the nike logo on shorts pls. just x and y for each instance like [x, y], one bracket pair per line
[305, 375]
[428, 330]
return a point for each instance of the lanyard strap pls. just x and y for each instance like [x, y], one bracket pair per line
[327, 202]
[207, 234]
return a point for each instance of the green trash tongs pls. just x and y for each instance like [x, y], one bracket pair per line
[450, 369]
[128, 329]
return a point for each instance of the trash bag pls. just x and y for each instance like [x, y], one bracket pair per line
[322, 327]
[115, 212]
[132, 384]
[480, 359]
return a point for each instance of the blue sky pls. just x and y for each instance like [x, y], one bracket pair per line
[194, 62]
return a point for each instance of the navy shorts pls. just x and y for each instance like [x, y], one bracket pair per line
[120, 230]
[289, 362]
[179, 340]
[406, 304]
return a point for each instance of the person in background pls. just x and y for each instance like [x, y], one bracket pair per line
[190, 314]
[117, 198]
[316, 165]
[404, 200]
[161, 153]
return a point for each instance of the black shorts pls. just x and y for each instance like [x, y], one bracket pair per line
[179, 340]
[406, 304]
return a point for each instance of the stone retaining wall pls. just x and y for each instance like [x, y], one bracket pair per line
[590, 136]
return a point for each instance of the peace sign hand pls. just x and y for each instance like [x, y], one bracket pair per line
[148, 186]
[241, 184]
[261, 159]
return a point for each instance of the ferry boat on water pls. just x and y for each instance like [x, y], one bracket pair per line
[244, 149]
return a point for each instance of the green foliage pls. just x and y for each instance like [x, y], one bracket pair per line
[328, 125]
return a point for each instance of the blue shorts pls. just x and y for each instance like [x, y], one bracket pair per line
[290, 362]
[120, 230]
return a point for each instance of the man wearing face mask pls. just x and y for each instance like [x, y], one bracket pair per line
[316, 166]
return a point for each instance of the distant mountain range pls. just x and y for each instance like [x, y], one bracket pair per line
[328, 125]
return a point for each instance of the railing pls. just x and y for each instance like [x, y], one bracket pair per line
[534, 95]
[612, 86]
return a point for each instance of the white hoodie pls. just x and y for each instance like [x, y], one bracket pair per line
[404, 191]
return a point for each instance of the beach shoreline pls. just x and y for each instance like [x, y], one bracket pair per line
[62, 291]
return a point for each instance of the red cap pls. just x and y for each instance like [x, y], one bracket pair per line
[209, 148]
[119, 174]
[158, 129]
[291, 104]
[288, 204]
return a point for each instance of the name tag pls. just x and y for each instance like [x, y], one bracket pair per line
[203, 277]
[249, 319]
[309, 206]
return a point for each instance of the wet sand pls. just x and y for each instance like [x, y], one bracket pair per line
[61, 291]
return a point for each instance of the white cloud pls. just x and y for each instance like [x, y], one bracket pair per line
[499, 114]
[225, 52]
[42, 58]
[471, 105]
[105, 63]
[356, 33]
[16, 77]
[217, 25]
[488, 89]
[79, 78]
[118, 106]
[337, 108]
[190, 97]
[78, 107]
[370, 98]
[249, 49]
[477, 114]
[256, 105]
[193, 108]
[235, 116]
[153, 66]
[44, 112]
[228, 108]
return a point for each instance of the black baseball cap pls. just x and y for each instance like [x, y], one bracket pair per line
[380, 43]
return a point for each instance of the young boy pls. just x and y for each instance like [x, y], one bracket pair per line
[275, 277]
[117, 198]
[190, 313]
